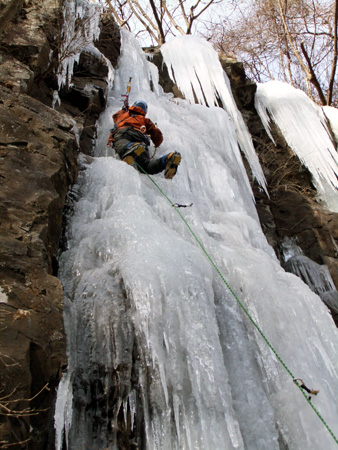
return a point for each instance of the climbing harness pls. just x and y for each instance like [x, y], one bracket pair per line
[298, 381]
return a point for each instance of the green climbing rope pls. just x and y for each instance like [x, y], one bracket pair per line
[308, 399]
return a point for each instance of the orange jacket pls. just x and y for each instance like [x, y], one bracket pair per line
[139, 122]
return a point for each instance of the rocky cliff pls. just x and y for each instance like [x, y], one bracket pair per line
[39, 147]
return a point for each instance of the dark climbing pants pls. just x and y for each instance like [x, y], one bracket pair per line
[124, 137]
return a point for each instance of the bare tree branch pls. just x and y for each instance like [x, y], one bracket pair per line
[145, 22]
[178, 28]
[184, 14]
[189, 19]
[6, 402]
[287, 31]
[117, 17]
[295, 41]
[312, 75]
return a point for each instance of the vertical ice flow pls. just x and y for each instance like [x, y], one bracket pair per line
[194, 66]
[147, 312]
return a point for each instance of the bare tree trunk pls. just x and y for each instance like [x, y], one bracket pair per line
[312, 76]
[335, 57]
[161, 36]
[309, 71]
[193, 17]
[287, 31]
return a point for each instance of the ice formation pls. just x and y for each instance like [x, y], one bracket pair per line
[303, 124]
[316, 276]
[79, 32]
[146, 311]
[200, 76]
[332, 115]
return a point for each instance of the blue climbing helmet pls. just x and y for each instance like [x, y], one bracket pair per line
[141, 104]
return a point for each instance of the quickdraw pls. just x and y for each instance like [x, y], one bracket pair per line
[177, 205]
[302, 385]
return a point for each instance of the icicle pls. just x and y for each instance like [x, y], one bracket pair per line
[56, 99]
[63, 411]
[303, 125]
[194, 66]
[75, 130]
[176, 408]
[125, 411]
[132, 407]
[80, 29]
[316, 276]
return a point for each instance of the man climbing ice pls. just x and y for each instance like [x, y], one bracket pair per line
[131, 137]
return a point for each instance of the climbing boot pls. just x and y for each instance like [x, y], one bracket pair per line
[172, 162]
[134, 151]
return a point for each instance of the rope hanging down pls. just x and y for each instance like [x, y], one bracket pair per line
[300, 384]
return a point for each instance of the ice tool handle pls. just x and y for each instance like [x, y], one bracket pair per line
[126, 96]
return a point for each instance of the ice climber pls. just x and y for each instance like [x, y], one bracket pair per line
[131, 137]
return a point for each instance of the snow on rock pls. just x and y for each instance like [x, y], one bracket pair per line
[3, 296]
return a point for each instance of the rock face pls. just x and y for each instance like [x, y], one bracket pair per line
[38, 150]
[38, 163]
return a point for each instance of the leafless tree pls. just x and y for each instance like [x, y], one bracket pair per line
[9, 408]
[292, 40]
[160, 17]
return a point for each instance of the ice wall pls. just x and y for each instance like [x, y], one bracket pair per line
[152, 330]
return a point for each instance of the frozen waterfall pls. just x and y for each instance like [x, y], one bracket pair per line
[155, 339]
